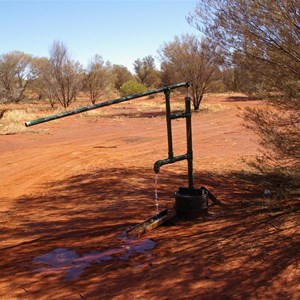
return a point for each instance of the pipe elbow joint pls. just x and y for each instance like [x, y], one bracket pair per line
[157, 167]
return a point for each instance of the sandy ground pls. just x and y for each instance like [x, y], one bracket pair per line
[69, 189]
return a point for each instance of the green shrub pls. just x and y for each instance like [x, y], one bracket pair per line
[131, 87]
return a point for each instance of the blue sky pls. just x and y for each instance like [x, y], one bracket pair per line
[121, 31]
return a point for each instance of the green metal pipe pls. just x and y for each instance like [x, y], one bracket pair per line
[189, 156]
[189, 142]
[107, 103]
[178, 115]
[167, 161]
[169, 124]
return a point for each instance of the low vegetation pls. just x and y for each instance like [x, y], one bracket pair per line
[260, 39]
[13, 120]
[131, 87]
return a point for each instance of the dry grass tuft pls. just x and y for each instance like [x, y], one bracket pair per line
[13, 117]
[212, 107]
[13, 120]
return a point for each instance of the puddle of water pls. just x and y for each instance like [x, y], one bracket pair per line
[134, 245]
[62, 260]
[69, 262]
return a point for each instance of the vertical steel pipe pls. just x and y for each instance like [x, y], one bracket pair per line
[189, 142]
[169, 123]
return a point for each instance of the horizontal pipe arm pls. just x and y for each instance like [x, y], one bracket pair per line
[167, 161]
[102, 104]
[180, 115]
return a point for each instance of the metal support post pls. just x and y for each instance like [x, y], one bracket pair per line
[169, 123]
[189, 142]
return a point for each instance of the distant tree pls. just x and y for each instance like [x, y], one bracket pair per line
[262, 36]
[132, 87]
[98, 78]
[121, 74]
[61, 76]
[40, 66]
[166, 75]
[146, 71]
[229, 79]
[189, 59]
[15, 74]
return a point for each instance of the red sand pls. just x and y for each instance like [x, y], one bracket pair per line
[81, 185]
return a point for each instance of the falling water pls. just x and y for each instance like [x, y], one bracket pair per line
[156, 193]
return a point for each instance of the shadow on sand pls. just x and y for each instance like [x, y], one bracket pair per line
[233, 253]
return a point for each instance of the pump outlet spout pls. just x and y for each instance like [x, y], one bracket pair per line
[167, 161]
